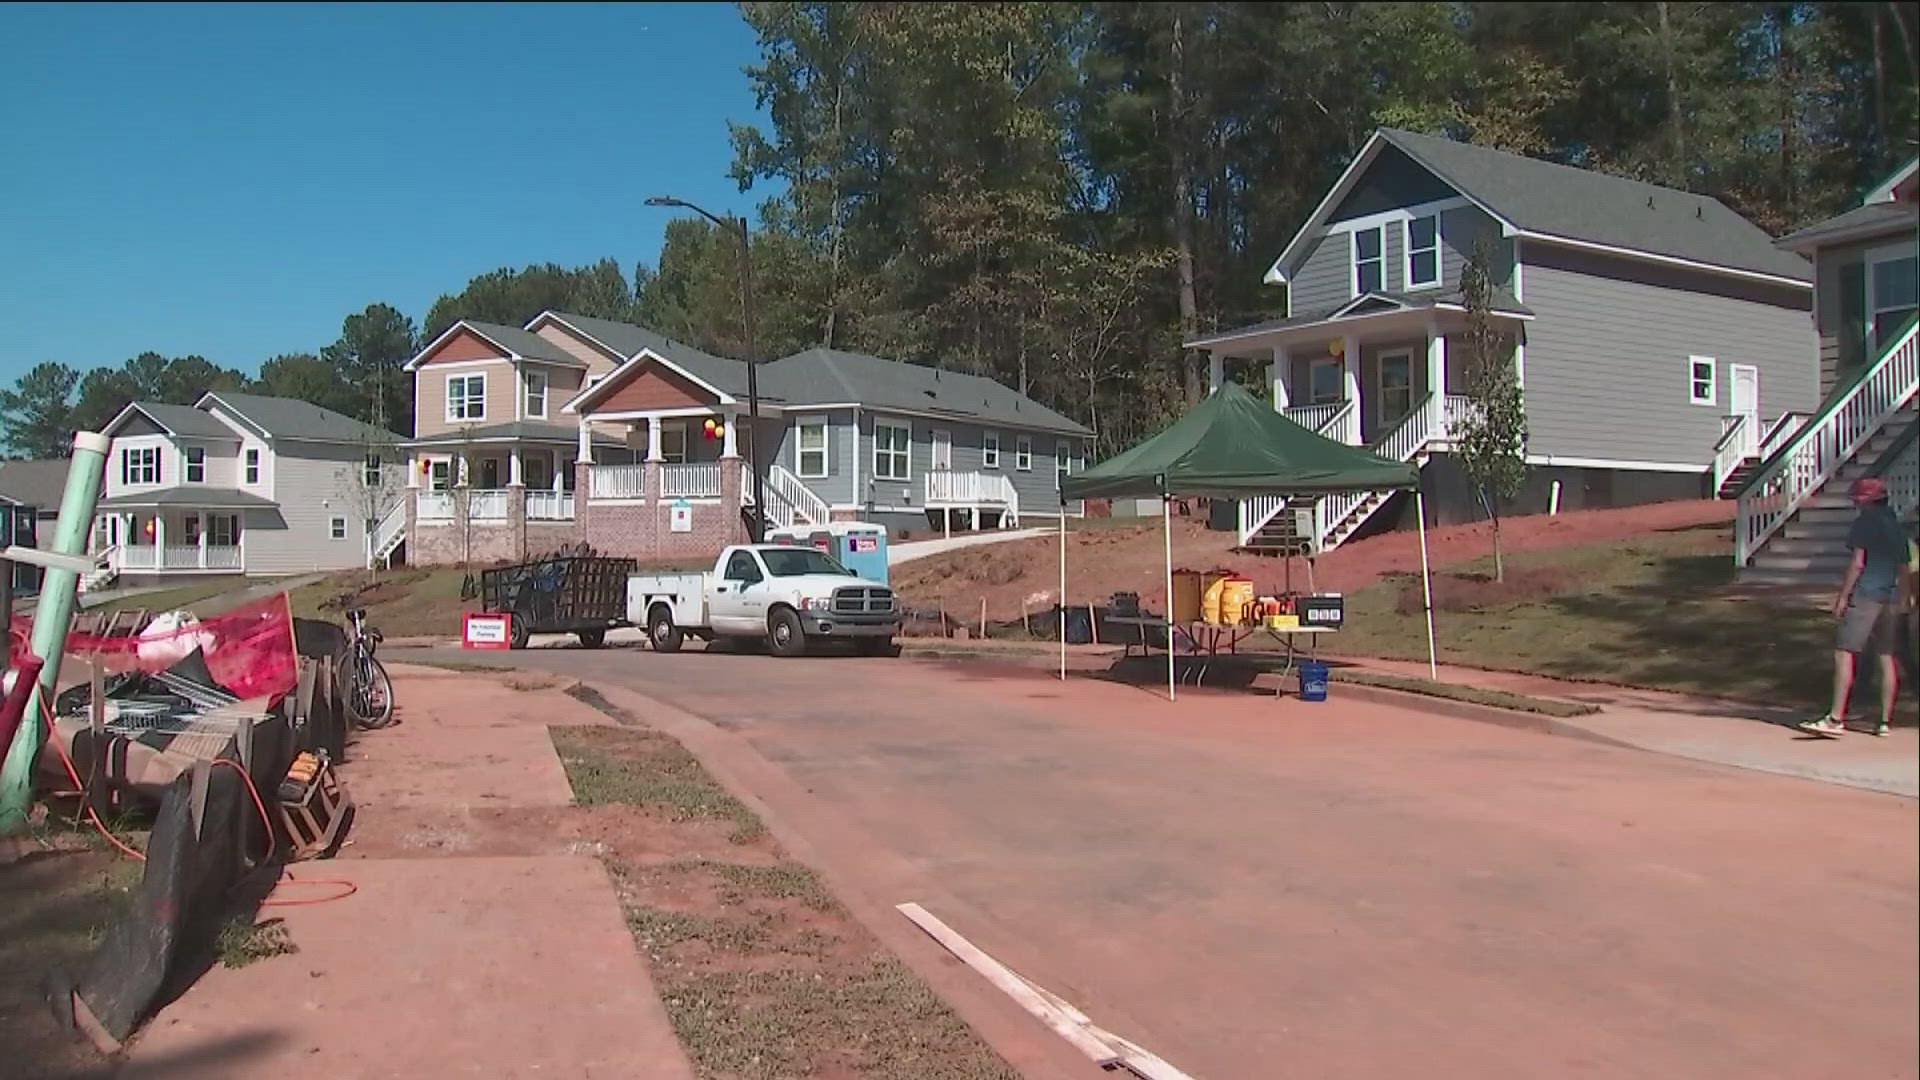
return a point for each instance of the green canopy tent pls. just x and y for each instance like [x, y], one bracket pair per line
[1233, 445]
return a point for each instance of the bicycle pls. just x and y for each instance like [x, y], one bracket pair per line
[367, 690]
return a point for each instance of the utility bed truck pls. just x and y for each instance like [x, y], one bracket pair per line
[788, 596]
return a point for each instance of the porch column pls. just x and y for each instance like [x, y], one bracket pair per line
[513, 467]
[413, 469]
[204, 523]
[655, 440]
[1350, 370]
[584, 453]
[553, 470]
[1437, 376]
[159, 538]
[730, 442]
[1216, 371]
[1277, 375]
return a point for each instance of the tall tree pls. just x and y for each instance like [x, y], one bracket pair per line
[37, 412]
[513, 297]
[308, 378]
[372, 348]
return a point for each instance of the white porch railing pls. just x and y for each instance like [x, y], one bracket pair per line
[139, 557]
[222, 557]
[798, 497]
[1403, 443]
[171, 557]
[617, 481]
[1256, 512]
[1903, 479]
[1313, 417]
[699, 481]
[549, 505]
[1783, 429]
[180, 557]
[487, 505]
[974, 489]
[434, 505]
[1739, 440]
[1454, 410]
[1820, 448]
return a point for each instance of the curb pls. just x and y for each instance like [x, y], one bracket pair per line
[1486, 714]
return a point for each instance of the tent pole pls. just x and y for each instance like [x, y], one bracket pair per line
[1426, 582]
[1063, 590]
[1166, 521]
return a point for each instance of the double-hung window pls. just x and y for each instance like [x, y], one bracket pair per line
[535, 384]
[1701, 380]
[253, 465]
[370, 470]
[466, 397]
[810, 448]
[891, 443]
[1326, 382]
[990, 450]
[1423, 251]
[1023, 454]
[1369, 273]
[673, 442]
[196, 464]
[140, 465]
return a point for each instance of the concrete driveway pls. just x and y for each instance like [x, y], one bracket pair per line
[1259, 888]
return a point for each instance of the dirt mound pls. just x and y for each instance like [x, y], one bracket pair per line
[1107, 557]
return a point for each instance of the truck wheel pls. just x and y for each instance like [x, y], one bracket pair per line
[877, 646]
[592, 639]
[661, 632]
[784, 635]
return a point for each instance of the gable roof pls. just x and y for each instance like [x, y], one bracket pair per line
[39, 484]
[1500, 302]
[725, 377]
[516, 343]
[176, 420]
[1540, 200]
[291, 418]
[1889, 189]
[834, 377]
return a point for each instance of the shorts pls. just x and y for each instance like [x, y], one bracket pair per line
[1868, 625]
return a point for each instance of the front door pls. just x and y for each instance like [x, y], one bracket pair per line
[1746, 402]
[942, 450]
[739, 602]
[489, 474]
[1394, 391]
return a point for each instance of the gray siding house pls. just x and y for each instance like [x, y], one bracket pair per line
[1793, 510]
[1643, 324]
[631, 425]
[240, 484]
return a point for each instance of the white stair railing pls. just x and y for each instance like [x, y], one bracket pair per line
[1820, 448]
[1403, 443]
[387, 533]
[1315, 418]
[1903, 479]
[1256, 512]
[1784, 428]
[800, 500]
[1738, 442]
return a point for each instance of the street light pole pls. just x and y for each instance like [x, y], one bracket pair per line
[738, 226]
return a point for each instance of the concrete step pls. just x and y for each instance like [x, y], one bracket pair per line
[1770, 560]
[1814, 546]
[1798, 528]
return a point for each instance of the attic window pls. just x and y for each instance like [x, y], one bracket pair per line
[1368, 265]
[1423, 251]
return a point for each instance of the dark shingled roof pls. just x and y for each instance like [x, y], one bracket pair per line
[186, 420]
[39, 484]
[195, 495]
[723, 374]
[830, 376]
[1580, 204]
[524, 343]
[1501, 302]
[291, 418]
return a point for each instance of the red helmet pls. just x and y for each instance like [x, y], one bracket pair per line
[1869, 488]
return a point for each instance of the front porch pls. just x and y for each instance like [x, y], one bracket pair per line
[177, 541]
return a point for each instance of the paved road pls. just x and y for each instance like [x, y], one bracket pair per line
[1256, 888]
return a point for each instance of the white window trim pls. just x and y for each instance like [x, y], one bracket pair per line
[678, 429]
[218, 524]
[1713, 381]
[132, 474]
[1406, 253]
[1870, 259]
[1380, 383]
[250, 461]
[187, 465]
[1354, 260]
[937, 438]
[526, 394]
[462, 378]
[1337, 364]
[800, 451]
[1023, 454]
[1062, 458]
[373, 470]
[989, 449]
[336, 524]
[908, 451]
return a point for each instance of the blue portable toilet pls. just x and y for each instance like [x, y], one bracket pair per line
[860, 546]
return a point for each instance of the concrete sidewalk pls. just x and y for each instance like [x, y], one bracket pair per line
[1735, 733]
[444, 965]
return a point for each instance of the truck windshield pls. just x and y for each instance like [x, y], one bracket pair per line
[793, 562]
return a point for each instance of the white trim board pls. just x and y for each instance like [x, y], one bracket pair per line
[588, 392]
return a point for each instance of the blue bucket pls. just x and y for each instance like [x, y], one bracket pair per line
[1313, 680]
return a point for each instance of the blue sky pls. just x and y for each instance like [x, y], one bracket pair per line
[233, 180]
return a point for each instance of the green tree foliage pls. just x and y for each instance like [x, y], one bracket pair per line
[37, 412]
[1491, 440]
[309, 378]
[372, 347]
[513, 297]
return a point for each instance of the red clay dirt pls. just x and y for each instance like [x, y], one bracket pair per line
[1254, 887]
[1113, 558]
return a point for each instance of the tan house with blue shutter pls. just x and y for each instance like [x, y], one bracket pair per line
[240, 484]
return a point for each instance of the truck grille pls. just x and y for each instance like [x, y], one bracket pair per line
[862, 601]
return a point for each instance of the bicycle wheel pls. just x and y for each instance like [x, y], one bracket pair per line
[370, 698]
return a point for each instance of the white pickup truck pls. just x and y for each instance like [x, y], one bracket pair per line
[785, 595]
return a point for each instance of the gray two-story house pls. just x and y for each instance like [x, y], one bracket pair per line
[1642, 322]
[580, 429]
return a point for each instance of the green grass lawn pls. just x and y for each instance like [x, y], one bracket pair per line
[200, 597]
[1649, 611]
